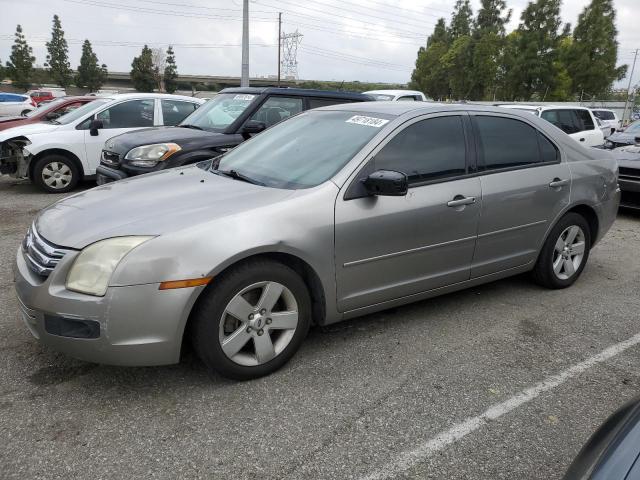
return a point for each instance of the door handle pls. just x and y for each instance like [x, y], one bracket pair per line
[557, 183]
[460, 201]
[582, 139]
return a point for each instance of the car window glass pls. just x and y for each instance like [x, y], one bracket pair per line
[506, 143]
[326, 102]
[80, 112]
[604, 115]
[276, 109]
[426, 150]
[132, 114]
[407, 98]
[586, 122]
[548, 151]
[565, 120]
[174, 111]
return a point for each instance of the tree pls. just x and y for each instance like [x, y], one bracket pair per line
[170, 72]
[440, 34]
[143, 74]
[488, 43]
[2, 71]
[430, 76]
[159, 60]
[90, 74]
[461, 20]
[535, 53]
[591, 61]
[58, 56]
[20, 64]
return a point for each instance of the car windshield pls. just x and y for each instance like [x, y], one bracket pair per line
[79, 112]
[380, 97]
[46, 106]
[304, 151]
[634, 127]
[220, 112]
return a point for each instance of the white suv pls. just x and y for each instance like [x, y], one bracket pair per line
[608, 119]
[56, 155]
[578, 122]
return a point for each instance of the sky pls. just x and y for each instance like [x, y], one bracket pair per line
[366, 40]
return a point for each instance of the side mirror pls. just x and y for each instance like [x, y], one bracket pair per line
[94, 126]
[253, 126]
[387, 183]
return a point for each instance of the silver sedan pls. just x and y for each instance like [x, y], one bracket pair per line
[332, 214]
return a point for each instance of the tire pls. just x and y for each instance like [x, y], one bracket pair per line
[228, 344]
[564, 253]
[46, 169]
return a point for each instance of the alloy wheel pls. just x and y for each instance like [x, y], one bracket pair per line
[568, 252]
[57, 175]
[258, 323]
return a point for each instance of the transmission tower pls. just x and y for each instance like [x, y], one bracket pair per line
[289, 63]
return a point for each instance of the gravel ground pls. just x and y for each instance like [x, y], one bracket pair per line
[353, 402]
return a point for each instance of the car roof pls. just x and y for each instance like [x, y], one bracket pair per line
[124, 96]
[301, 92]
[541, 107]
[394, 92]
[400, 108]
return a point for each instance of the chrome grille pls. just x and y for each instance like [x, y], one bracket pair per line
[41, 256]
[629, 173]
[110, 159]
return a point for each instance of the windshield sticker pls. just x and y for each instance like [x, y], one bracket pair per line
[368, 121]
[244, 97]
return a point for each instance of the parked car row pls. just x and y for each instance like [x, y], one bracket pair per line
[12, 104]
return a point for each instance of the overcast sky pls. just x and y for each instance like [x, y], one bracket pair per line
[367, 40]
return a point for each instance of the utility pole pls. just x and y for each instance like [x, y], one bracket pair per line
[244, 78]
[279, 43]
[626, 102]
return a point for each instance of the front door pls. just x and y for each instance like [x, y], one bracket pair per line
[120, 118]
[525, 186]
[391, 247]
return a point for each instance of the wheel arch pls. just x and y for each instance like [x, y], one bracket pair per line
[56, 151]
[308, 274]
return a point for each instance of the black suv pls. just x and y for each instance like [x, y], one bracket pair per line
[230, 118]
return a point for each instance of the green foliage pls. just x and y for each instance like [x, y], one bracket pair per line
[170, 71]
[20, 64]
[143, 73]
[58, 56]
[474, 58]
[90, 74]
[591, 62]
[347, 86]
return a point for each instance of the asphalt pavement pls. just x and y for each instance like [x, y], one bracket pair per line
[430, 390]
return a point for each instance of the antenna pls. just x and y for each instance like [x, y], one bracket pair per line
[289, 63]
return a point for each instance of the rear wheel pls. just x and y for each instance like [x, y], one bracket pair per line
[252, 321]
[565, 252]
[56, 174]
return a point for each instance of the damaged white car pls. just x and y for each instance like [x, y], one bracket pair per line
[57, 154]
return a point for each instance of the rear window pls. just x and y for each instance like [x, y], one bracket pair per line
[604, 114]
[586, 121]
[326, 102]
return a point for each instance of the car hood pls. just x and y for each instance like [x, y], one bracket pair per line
[624, 137]
[26, 130]
[628, 156]
[152, 204]
[185, 137]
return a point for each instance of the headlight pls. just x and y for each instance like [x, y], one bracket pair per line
[608, 144]
[93, 267]
[150, 155]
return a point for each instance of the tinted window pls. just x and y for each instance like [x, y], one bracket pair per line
[174, 111]
[276, 109]
[427, 150]
[548, 151]
[604, 114]
[407, 98]
[325, 102]
[136, 113]
[586, 122]
[565, 120]
[506, 143]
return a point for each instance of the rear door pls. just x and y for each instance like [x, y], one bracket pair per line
[525, 185]
[174, 111]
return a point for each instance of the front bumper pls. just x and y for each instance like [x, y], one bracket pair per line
[139, 325]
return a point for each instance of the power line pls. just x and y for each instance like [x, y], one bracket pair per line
[380, 38]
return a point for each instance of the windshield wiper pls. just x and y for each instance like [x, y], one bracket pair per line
[188, 125]
[237, 176]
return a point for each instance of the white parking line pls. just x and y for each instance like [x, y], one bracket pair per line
[422, 451]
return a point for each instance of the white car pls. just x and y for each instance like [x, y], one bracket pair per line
[605, 129]
[13, 104]
[578, 122]
[609, 118]
[397, 95]
[58, 154]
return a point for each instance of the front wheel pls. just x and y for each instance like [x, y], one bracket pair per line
[56, 174]
[252, 320]
[564, 253]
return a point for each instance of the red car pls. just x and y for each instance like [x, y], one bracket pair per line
[48, 111]
[40, 96]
